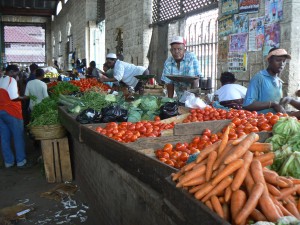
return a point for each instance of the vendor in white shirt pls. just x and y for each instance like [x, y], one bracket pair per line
[231, 95]
[124, 72]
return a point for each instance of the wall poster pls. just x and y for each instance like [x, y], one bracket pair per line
[273, 11]
[272, 37]
[237, 61]
[256, 34]
[229, 7]
[238, 42]
[249, 6]
[223, 49]
[240, 23]
[225, 25]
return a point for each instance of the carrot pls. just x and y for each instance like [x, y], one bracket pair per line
[251, 203]
[228, 193]
[249, 182]
[257, 154]
[279, 210]
[257, 173]
[295, 181]
[281, 183]
[268, 208]
[205, 152]
[217, 206]
[284, 211]
[238, 200]
[242, 172]
[188, 166]
[286, 180]
[191, 174]
[270, 177]
[204, 190]
[226, 211]
[261, 147]
[175, 176]
[210, 162]
[197, 188]
[273, 190]
[285, 192]
[221, 200]
[237, 141]
[298, 205]
[267, 163]
[219, 188]
[239, 150]
[228, 170]
[209, 205]
[224, 154]
[292, 208]
[265, 157]
[195, 181]
[224, 140]
[203, 162]
[257, 215]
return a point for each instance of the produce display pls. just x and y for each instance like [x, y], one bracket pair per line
[51, 75]
[85, 84]
[231, 177]
[130, 132]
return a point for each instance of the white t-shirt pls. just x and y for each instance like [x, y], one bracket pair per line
[11, 88]
[231, 92]
[37, 88]
[125, 72]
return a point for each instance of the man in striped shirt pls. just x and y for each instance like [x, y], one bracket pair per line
[182, 62]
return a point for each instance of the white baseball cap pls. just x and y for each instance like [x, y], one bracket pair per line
[178, 40]
[111, 56]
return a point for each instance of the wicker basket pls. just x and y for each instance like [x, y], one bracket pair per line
[48, 132]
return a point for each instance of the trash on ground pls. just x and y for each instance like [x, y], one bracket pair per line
[14, 213]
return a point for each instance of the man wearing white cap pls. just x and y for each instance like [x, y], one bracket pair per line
[265, 88]
[182, 62]
[124, 72]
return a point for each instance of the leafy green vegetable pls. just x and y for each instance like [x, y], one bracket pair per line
[291, 166]
[110, 98]
[286, 126]
[94, 100]
[149, 102]
[263, 223]
[149, 115]
[294, 142]
[277, 140]
[43, 107]
[47, 118]
[280, 157]
[63, 88]
[134, 115]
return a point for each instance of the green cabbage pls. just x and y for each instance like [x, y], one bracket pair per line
[294, 142]
[280, 156]
[149, 103]
[287, 220]
[149, 115]
[110, 98]
[134, 115]
[277, 141]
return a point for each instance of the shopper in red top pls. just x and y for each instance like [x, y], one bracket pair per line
[11, 120]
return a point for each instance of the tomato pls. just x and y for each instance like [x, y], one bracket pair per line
[207, 132]
[162, 160]
[236, 121]
[168, 147]
[156, 118]
[184, 156]
[99, 129]
[232, 136]
[175, 155]
[266, 127]
[165, 155]
[274, 119]
[214, 138]
[204, 138]
[169, 162]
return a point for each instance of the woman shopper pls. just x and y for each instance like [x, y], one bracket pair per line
[11, 120]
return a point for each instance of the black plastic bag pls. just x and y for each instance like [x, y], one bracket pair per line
[89, 116]
[168, 110]
[114, 114]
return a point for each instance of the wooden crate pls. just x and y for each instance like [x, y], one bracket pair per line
[57, 161]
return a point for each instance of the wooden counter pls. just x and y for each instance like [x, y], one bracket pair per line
[125, 184]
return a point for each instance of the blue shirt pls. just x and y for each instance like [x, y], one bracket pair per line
[189, 66]
[264, 87]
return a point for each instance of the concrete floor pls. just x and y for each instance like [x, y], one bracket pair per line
[26, 185]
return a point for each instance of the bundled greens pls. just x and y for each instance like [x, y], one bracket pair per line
[63, 88]
[286, 145]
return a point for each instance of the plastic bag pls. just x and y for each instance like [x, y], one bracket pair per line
[114, 114]
[168, 110]
[89, 116]
[194, 102]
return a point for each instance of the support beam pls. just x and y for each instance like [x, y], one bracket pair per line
[27, 12]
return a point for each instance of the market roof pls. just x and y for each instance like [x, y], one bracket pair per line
[28, 7]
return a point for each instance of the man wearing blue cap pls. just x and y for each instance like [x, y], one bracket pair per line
[181, 62]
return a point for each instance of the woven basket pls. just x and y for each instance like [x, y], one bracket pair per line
[48, 132]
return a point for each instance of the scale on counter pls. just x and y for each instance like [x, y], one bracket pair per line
[180, 78]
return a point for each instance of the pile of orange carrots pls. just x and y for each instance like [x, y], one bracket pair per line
[230, 177]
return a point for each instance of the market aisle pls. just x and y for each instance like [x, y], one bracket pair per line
[26, 185]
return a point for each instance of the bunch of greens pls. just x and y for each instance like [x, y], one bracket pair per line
[63, 88]
[95, 100]
[286, 146]
[48, 118]
[47, 104]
